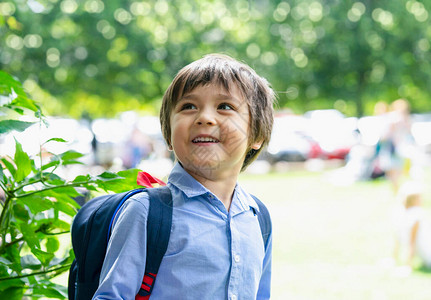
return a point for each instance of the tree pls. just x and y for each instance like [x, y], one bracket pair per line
[99, 57]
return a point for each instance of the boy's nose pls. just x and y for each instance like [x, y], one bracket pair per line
[205, 117]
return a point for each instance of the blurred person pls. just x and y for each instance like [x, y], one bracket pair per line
[391, 153]
[362, 161]
[137, 148]
[381, 108]
[413, 227]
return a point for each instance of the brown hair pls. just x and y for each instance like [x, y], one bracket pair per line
[225, 71]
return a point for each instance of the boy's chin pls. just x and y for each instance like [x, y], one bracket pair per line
[203, 166]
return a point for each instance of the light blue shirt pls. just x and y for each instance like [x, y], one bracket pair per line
[212, 253]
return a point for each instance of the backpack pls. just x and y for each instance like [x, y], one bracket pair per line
[91, 229]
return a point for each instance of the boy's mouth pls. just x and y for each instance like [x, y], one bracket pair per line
[205, 139]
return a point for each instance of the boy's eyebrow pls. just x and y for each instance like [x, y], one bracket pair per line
[219, 96]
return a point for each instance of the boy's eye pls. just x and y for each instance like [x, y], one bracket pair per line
[225, 106]
[187, 106]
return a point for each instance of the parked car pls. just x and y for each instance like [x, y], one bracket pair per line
[332, 131]
[290, 142]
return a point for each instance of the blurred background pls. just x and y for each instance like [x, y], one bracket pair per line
[352, 127]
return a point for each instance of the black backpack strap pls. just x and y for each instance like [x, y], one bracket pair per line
[264, 221]
[90, 234]
[159, 225]
[126, 196]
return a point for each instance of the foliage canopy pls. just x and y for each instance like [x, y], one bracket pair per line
[37, 205]
[317, 54]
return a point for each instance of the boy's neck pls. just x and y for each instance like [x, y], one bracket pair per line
[221, 186]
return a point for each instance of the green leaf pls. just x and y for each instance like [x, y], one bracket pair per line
[11, 87]
[22, 161]
[13, 293]
[4, 261]
[29, 236]
[56, 182]
[91, 187]
[130, 175]
[60, 200]
[71, 155]
[30, 262]
[9, 166]
[18, 110]
[53, 225]
[72, 162]
[66, 158]
[7, 83]
[4, 270]
[52, 244]
[64, 193]
[54, 162]
[23, 101]
[60, 140]
[63, 261]
[13, 255]
[2, 175]
[37, 203]
[6, 284]
[47, 289]
[82, 178]
[107, 176]
[10, 125]
[42, 256]
[52, 178]
[20, 212]
[126, 180]
[66, 208]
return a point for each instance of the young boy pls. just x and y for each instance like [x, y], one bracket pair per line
[216, 116]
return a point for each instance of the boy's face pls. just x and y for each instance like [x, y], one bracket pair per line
[210, 130]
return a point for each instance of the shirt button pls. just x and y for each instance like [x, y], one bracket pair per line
[237, 258]
[233, 297]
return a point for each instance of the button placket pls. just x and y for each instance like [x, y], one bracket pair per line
[236, 258]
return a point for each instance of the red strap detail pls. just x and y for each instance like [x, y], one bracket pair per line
[148, 280]
[147, 180]
[147, 283]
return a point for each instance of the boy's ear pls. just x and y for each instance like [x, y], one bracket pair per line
[256, 145]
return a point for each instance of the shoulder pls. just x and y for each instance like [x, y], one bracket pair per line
[136, 207]
[254, 201]
[140, 201]
[263, 212]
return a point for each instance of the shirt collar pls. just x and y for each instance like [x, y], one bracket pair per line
[245, 200]
[185, 182]
[191, 187]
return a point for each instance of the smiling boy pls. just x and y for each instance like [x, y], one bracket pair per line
[216, 116]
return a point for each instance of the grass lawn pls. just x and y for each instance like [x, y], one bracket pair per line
[334, 242]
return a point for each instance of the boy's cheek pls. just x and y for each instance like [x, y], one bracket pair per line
[231, 128]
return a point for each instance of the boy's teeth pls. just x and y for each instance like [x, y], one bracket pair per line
[204, 139]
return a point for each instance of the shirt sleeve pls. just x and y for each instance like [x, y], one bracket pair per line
[264, 291]
[124, 264]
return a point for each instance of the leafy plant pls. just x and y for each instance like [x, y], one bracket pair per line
[37, 205]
